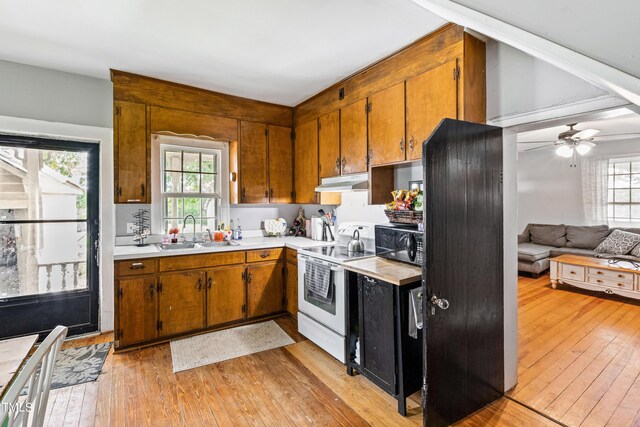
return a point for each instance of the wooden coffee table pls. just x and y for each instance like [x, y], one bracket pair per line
[596, 274]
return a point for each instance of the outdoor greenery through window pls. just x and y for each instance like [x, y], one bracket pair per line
[624, 190]
[190, 186]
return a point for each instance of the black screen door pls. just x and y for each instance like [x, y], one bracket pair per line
[463, 265]
[49, 224]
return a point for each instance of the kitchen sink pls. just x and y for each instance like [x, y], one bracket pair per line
[217, 244]
[175, 246]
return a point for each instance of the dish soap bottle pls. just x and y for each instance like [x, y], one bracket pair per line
[238, 230]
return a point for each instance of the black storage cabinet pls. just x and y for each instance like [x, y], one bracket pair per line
[377, 317]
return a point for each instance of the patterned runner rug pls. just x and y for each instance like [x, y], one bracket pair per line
[200, 350]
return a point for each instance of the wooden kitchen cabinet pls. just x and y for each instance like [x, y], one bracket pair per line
[131, 152]
[353, 138]
[386, 126]
[181, 300]
[265, 288]
[306, 162]
[431, 97]
[280, 164]
[137, 306]
[329, 144]
[291, 282]
[226, 295]
[253, 163]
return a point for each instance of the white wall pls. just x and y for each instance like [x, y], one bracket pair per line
[54, 96]
[519, 84]
[549, 191]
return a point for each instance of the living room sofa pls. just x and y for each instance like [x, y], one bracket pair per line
[539, 242]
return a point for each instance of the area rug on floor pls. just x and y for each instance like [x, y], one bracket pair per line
[200, 350]
[79, 365]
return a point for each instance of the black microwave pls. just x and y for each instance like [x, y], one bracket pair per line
[400, 242]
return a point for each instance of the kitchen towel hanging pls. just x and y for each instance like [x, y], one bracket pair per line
[415, 311]
[317, 280]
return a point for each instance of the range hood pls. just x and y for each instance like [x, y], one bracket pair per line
[340, 184]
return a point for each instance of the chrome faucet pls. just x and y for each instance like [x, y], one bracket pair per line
[184, 225]
[210, 235]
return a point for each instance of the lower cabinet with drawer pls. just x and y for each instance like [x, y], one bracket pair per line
[162, 298]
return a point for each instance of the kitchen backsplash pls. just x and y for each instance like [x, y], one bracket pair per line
[251, 216]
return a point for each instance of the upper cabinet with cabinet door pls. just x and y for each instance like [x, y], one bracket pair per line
[266, 163]
[386, 126]
[280, 164]
[306, 162]
[353, 138]
[131, 153]
[431, 97]
[329, 144]
[253, 163]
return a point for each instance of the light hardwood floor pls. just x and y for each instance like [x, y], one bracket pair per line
[579, 364]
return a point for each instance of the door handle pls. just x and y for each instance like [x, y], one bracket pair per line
[440, 302]
[209, 282]
[411, 144]
[199, 283]
[152, 289]
[402, 145]
[338, 164]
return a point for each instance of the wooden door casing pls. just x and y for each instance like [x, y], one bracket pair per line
[386, 123]
[329, 144]
[181, 302]
[431, 97]
[353, 138]
[265, 288]
[306, 162]
[280, 165]
[131, 153]
[226, 295]
[253, 163]
[138, 310]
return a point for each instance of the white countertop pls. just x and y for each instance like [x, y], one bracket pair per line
[152, 251]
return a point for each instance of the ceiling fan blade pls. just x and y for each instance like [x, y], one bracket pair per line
[587, 133]
[538, 148]
[587, 143]
[614, 136]
[536, 142]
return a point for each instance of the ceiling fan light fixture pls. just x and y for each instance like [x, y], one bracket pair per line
[564, 151]
[583, 148]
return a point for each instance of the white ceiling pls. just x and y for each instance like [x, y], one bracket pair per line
[607, 31]
[627, 123]
[281, 51]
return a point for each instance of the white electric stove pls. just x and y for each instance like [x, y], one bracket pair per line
[322, 319]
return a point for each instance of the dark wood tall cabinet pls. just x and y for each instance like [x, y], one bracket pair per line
[463, 273]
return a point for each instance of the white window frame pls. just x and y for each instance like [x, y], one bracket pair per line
[612, 220]
[189, 144]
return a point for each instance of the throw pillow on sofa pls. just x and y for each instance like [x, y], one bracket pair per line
[549, 235]
[636, 251]
[586, 237]
[619, 243]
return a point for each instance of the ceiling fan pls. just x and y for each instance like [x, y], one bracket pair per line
[573, 141]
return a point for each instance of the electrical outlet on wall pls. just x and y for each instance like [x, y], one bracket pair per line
[130, 229]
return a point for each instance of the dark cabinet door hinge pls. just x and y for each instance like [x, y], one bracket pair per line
[159, 325]
[456, 73]
[244, 308]
[266, 131]
[120, 293]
